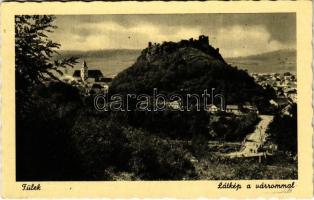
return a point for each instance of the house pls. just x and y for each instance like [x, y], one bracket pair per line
[293, 85]
[212, 108]
[105, 80]
[93, 75]
[67, 79]
[276, 88]
[280, 102]
[287, 110]
[233, 109]
[96, 88]
[292, 94]
[273, 102]
[174, 105]
[280, 92]
[250, 108]
[270, 82]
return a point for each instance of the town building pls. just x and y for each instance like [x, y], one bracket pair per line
[212, 108]
[92, 78]
[175, 105]
[250, 108]
[83, 72]
[280, 102]
[233, 109]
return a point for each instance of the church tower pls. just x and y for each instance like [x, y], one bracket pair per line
[84, 72]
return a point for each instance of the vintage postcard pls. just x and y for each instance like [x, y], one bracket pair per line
[157, 99]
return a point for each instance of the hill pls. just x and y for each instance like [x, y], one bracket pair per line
[190, 66]
[276, 61]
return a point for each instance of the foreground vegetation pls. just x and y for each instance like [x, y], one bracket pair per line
[74, 142]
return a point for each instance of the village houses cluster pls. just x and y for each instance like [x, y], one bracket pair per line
[285, 85]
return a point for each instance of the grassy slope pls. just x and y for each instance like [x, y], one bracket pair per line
[214, 167]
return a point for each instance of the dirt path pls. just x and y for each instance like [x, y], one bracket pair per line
[255, 140]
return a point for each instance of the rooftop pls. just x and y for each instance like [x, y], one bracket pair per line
[93, 73]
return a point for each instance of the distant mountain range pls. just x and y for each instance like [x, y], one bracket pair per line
[276, 61]
[113, 61]
[109, 61]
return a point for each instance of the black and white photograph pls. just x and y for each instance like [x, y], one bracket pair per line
[156, 97]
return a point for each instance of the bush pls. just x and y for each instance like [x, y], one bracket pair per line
[156, 159]
[199, 145]
[234, 128]
[171, 124]
[108, 148]
[101, 144]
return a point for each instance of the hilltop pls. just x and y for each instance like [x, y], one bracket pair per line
[276, 61]
[190, 66]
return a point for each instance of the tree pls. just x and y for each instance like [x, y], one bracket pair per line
[283, 130]
[43, 150]
[34, 51]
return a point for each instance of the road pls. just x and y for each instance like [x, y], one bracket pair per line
[255, 140]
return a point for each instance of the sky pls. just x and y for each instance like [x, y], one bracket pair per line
[234, 34]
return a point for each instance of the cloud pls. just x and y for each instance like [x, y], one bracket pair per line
[111, 35]
[236, 41]
[233, 34]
